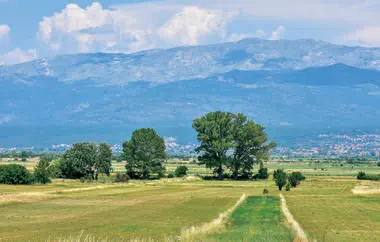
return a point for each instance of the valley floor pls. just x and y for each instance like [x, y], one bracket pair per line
[325, 207]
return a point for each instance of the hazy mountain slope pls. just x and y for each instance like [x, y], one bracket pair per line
[94, 93]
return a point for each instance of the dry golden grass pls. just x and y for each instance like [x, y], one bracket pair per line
[367, 187]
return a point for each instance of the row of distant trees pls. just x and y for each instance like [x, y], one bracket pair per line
[227, 142]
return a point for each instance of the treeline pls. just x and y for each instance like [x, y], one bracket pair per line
[82, 160]
[228, 143]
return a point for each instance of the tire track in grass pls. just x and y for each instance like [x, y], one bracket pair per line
[187, 233]
[300, 235]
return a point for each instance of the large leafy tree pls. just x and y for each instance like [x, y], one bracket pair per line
[86, 160]
[145, 154]
[250, 146]
[233, 141]
[215, 134]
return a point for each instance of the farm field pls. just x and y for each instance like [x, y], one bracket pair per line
[157, 210]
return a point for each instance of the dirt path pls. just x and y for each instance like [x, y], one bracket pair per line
[300, 235]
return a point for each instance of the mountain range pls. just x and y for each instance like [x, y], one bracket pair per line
[284, 84]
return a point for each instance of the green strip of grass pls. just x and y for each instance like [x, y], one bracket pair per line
[257, 219]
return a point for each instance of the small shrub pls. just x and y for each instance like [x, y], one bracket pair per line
[378, 163]
[181, 171]
[121, 177]
[361, 175]
[295, 178]
[265, 191]
[15, 174]
[171, 175]
[263, 172]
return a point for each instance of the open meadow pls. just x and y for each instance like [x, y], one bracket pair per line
[330, 205]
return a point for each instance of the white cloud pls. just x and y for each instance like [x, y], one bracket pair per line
[18, 56]
[368, 36]
[124, 29]
[140, 26]
[276, 34]
[192, 24]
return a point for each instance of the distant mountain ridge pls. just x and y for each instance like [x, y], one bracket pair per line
[285, 83]
[183, 63]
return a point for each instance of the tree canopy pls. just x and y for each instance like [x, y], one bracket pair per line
[145, 154]
[86, 160]
[232, 141]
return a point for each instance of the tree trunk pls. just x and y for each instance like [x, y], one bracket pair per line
[220, 172]
[235, 174]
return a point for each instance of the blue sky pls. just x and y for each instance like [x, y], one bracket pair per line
[39, 28]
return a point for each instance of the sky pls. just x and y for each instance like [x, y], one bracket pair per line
[46, 28]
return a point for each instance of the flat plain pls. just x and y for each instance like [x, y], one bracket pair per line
[157, 210]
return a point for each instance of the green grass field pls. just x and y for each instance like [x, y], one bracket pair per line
[259, 218]
[324, 205]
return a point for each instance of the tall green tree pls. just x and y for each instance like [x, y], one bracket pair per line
[145, 154]
[86, 160]
[79, 159]
[215, 134]
[103, 162]
[41, 171]
[280, 178]
[250, 146]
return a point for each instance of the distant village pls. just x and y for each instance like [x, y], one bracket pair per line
[324, 145]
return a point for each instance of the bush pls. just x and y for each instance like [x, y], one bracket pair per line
[378, 163]
[295, 178]
[362, 176]
[181, 171]
[171, 175]
[15, 174]
[121, 177]
[263, 172]
[265, 191]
